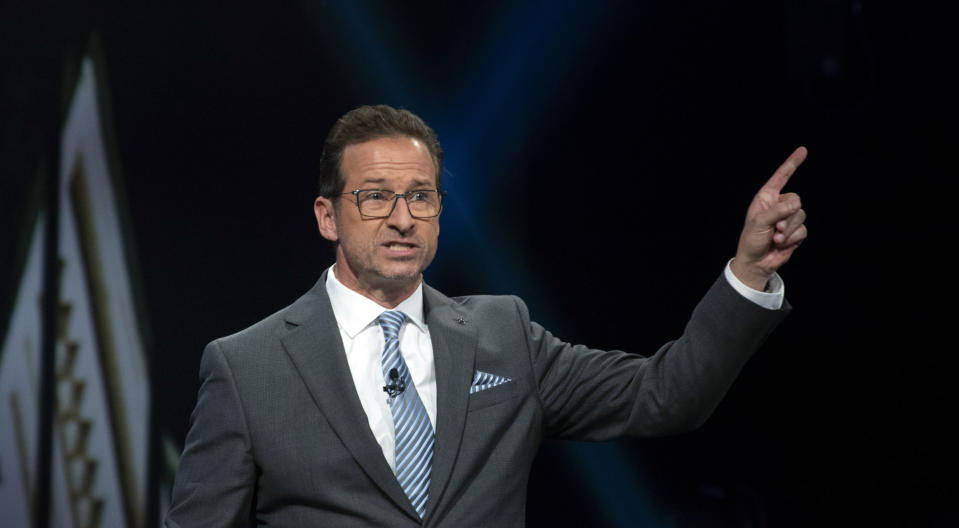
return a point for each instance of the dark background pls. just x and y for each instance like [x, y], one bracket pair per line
[600, 159]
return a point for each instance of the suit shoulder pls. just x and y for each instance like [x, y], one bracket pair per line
[467, 299]
[257, 337]
[263, 338]
[482, 301]
[492, 307]
[262, 329]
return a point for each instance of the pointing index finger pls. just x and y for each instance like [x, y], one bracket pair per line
[779, 178]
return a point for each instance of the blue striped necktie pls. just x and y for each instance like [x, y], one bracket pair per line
[411, 424]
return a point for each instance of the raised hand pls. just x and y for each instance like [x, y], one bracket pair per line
[774, 227]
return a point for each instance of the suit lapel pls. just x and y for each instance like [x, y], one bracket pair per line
[316, 350]
[454, 348]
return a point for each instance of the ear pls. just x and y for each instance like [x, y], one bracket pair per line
[325, 218]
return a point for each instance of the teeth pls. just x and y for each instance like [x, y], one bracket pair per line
[398, 247]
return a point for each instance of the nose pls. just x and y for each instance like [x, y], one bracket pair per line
[400, 217]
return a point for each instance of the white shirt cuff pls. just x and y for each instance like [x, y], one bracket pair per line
[771, 299]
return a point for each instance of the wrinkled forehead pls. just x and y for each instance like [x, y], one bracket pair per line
[389, 160]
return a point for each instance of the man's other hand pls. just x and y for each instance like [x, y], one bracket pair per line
[774, 228]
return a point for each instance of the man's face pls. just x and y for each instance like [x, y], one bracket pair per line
[379, 255]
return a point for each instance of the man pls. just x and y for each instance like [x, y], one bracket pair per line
[375, 400]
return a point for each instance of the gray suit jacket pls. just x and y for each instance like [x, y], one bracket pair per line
[279, 435]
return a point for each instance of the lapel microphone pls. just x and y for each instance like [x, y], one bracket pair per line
[395, 386]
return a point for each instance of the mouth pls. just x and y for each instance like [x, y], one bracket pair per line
[400, 246]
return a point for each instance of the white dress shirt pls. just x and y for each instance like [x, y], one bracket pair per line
[771, 299]
[363, 341]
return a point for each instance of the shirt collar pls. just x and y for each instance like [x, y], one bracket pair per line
[354, 311]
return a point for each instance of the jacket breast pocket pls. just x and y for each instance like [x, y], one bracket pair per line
[499, 394]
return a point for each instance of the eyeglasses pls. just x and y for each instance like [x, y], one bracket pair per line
[377, 203]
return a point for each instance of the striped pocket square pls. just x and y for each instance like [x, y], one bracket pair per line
[485, 380]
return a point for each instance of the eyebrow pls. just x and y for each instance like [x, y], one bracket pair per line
[417, 184]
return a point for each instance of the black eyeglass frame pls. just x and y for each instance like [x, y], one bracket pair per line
[396, 196]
